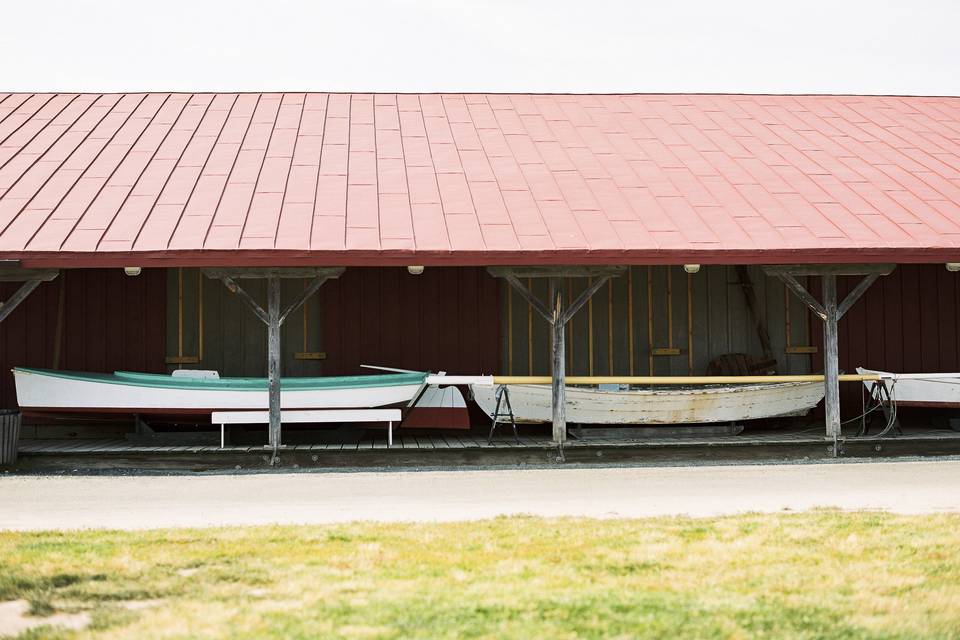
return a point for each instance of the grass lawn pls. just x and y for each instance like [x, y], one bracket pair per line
[822, 574]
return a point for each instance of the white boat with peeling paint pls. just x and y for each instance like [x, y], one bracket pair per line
[685, 405]
[50, 391]
[919, 389]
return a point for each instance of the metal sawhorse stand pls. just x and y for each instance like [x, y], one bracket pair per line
[503, 398]
[883, 396]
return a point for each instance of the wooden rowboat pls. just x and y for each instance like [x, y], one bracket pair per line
[683, 405]
[918, 389]
[43, 391]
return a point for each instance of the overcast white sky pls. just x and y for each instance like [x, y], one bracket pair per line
[752, 46]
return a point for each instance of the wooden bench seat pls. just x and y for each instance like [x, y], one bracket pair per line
[389, 416]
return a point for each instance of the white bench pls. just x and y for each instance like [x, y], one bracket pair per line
[389, 416]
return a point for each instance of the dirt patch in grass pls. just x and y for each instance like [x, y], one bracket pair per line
[814, 575]
[16, 618]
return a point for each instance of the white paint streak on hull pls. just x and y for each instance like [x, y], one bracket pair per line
[51, 392]
[531, 403]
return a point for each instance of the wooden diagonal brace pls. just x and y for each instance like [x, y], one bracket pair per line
[237, 289]
[582, 299]
[6, 308]
[311, 289]
[855, 294]
[818, 308]
[527, 295]
[802, 293]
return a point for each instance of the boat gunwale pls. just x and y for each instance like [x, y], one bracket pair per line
[678, 390]
[918, 377]
[161, 381]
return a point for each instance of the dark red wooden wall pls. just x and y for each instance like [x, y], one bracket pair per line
[111, 321]
[445, 319]
[906, 322]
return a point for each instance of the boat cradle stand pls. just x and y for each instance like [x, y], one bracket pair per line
[882, 393]
[502, 395]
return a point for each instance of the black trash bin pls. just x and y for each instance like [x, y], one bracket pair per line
[9, 436]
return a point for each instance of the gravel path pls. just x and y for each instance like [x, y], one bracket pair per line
[132, 502]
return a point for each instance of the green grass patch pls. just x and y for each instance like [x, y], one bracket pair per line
[823, 574]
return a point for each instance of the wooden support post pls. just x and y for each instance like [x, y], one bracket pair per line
[558, 396]
[274, 317]
[273, 359]
[831, 365]
[61, 310]
[557, 317]
[830, 312]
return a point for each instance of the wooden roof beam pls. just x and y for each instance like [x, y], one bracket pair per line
[237, 273]
[828, 269]
[16, 274]
[571, 271]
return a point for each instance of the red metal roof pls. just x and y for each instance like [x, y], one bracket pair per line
[354, 179]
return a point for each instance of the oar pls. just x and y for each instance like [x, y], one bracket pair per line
[416, 397]
[394, 370]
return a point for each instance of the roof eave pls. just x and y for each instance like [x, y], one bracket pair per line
[448, 258]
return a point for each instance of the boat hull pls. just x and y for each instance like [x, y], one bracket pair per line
[531, 403]
[920, 389]
[438, 408]
[39, 392]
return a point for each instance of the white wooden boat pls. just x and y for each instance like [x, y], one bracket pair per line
[49, 391]
[712, 403]
[919, 389]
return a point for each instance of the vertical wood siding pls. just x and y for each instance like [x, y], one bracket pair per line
[111, 321]
[907, 322]
[445, 319]
[600, 336]
[234, 339]
[457, 319]
[462, 320]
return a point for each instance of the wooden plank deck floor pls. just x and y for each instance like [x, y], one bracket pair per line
[463, 441]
